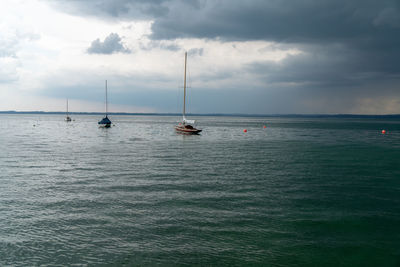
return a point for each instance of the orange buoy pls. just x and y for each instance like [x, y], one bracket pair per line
[265, 126]
[383, 131]
[245, 130]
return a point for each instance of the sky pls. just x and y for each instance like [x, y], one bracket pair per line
[251, 57]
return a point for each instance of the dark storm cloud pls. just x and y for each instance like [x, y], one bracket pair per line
[341, 39]
[329, 66]
[346, 45]
[112, 44]
[363, 26]
[281, 21]
[316, 67]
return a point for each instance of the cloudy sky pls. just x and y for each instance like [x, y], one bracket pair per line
[256, 56]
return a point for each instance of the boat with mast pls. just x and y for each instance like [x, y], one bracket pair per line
[186, 126]
[105, 122]
[67, 118]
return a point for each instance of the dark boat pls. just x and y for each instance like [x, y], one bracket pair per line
[105, 122]
[186, 126]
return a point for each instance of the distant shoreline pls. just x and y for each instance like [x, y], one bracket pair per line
[210, 114]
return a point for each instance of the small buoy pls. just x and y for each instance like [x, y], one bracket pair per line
[265, 126]
[245, 130]
[383, 131]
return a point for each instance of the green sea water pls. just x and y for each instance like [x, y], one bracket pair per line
[300, 192]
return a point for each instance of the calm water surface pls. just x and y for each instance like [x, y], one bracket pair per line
[302, 192]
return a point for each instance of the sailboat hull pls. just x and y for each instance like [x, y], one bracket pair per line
[105, 122]
[185, 130]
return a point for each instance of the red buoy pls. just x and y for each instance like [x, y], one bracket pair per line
[265, 126]
[383, 131]
[245, 130]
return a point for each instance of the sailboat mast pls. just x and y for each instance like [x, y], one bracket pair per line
[184, 88]
[67, 107]
[106, 101]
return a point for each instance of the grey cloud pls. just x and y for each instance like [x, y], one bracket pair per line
[366, 30]
[285, 21]
[168, 45]
[112, 44]
[388, 16]
[165, 45]
[196, 51]
[316, 67]
[345, 44]
[367, 26]
[343, 41]
[171, 47]
[7, 48]
[282, 21]
[116, 9]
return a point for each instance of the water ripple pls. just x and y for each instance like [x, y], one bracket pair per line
[301, 192]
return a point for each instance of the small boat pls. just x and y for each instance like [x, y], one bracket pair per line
[105, 122]
[67, 118]
[186, 126]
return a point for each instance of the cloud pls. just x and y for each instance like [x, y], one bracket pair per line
[11, 40]
[347, 51]
[8, 69]
[196, 51]
[367, 28]
[156, 44]
[281, 21]
[112, 44]
[388, 16]
[348, 38]
[7, 48]
[116, 9]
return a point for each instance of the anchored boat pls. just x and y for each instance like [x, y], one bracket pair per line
[186, 126]
[67, 118]
[105, 122]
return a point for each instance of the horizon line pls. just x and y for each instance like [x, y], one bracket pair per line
[205, 114]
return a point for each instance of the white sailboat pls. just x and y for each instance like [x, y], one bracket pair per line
[67, 118]
[105, 122]
[186, 126]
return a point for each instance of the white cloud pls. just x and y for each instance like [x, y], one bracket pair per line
[111, 44]
[8, 69]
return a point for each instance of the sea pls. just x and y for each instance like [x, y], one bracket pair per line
[301, 191]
